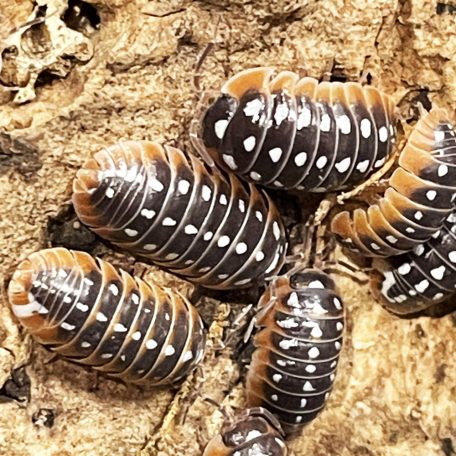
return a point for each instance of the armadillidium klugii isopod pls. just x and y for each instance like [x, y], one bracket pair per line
[420, 196]
[197, 222]
[297, 348]
[86, 311]
[298, 133]
[256, 432]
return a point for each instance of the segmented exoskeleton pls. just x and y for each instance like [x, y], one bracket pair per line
[197, 222]
[256, 432]
[299, 133]
[421, 195]
[424, 277]
[293, 367]
[91, 314]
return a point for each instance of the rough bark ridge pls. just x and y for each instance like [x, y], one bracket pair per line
[81, 76]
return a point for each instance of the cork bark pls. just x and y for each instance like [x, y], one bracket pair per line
[82, 76]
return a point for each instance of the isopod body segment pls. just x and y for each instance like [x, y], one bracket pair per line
[197, 222]
[86, 311]
[291, 133]
[255, 432]
[297, 348]
[420, 196]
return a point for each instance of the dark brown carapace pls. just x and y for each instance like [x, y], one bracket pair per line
[423, 277]
[420, 196]
[197, 222]
[293, 367]
[86, 311]
[256, 432]
[293, 133]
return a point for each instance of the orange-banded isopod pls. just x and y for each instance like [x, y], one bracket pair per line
[86, 311]
[255, 432]
[423, 277]
[420, 196]
[288, 133]
[297, 349]
[196, 222]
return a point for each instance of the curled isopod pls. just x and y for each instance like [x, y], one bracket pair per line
[291, 133]
[297, 348]
[255, 432]
[197, 222]
[86, 311]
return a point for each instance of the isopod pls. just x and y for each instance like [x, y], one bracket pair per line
[421, 194]
[86, 311]
[197, 222]
[293, 367]
[423, 277]
[293, 133]
[256, 432]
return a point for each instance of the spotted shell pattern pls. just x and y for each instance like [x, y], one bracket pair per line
[197, 222]
[425, 276]
[86, 311]
[297, 348]
[421, 195]
[299, 134]
[256, 432]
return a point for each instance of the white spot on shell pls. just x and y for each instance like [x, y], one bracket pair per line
[439, 135]
[383, 134]
[275, 154]
[452, 256]
[155, 184]
[149, 247]
[82, 307]
[311, 368]
[148, 213]
[223, 200]
[344, 124]
[229, 160]
[168, 221]
[442, 170]
[404, 269]
[314, 352]
[300, 159]
[151, 344]
[422, 286]
[130, 232]
[321, 162]
[241, 248]
[188, 355]
[101, 317]
[255, 176]
[170, 350]
[316, 284]
[109, 192]
[365, 128]
[325, 123]
[277, 378]
[391, 239]
[119, 327]
[67, 326]
[223, 241]
[190, 229]
[304, 118]
[208, 236]
[431, 194]
[343, 165]
[308, 386]
[259, 256]
[362, 166]
[136, 335]
[206, 193]
[220, 128]
[276, 230]
[249, 143]
[438, 273]
[418, 215]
